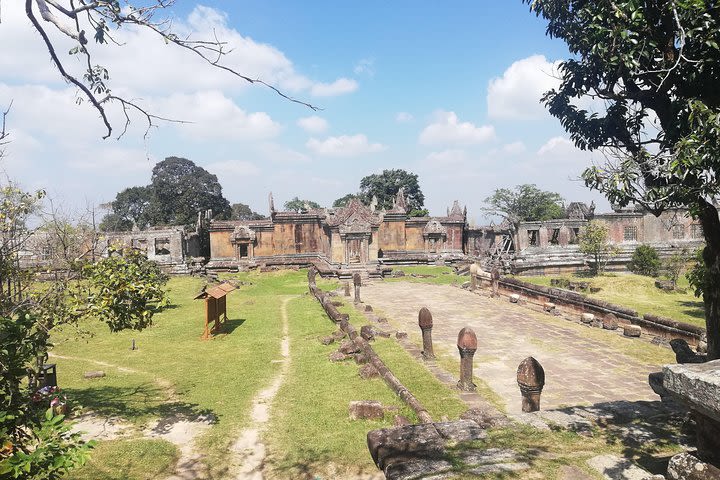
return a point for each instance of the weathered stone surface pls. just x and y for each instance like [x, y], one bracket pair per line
[368, 308]
[666, 285]
[531, 380]
[610, 322]
[416, 468]
[483, 418]
[617, 468]
[569, 472]
[685, 466]
[368, 371]
[400, 335]
[327, 340]
[514, 298]
[425, 318]
[630, 330]
[337, 357]
[338, 334]
[697, 385]
[655, 380]
[366, 410]
[348, 347]
[460, 430]
[685, 354]
[361, 358]
[412, 441]
[587, 318]
[549, 306]
[367, 332]
[94, 374]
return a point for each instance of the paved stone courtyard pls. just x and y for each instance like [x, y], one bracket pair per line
[579, 370]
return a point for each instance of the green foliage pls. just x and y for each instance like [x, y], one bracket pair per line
[525, 203]
[645, 261]
[240, 211]
[675, 265]
[343, 201]
[698, 277]
[297, 205]
[385, 186]
[178, 190]
[593, 241]
[423, 212]
[34, 443]
[113, 222]
[126, 289]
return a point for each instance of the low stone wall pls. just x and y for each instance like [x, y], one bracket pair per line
[573, 303]
[385, 373]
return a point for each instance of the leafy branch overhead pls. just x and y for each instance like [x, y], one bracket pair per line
[74, 19]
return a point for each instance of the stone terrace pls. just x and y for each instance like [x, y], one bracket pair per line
[579, 370]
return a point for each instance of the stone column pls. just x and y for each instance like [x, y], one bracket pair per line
[467, 345]
[495, 274]
[346, 285]
[531, 380]
[473, 277]
[425, 321]
[357, 281]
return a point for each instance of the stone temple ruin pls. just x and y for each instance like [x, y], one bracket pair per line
[362, 237]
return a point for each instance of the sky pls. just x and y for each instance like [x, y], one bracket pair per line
[450, 92]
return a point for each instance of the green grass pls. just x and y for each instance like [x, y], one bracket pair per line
[437, 275]
[218, 376]
[135, 459]
[639, 293]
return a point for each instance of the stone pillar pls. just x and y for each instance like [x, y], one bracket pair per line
[467, 345]
[495, 274]
[346, 285]
[425, 321]
[473, 277]
[357, 281]
[531, 380]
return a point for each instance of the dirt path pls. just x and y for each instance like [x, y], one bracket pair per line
[178, 430]
[249, 449]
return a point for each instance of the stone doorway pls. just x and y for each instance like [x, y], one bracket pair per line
[353, 250]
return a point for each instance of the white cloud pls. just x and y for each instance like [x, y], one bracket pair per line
[233, 169]
[514, 148]
[516, 95]
[447, 129]
[344, 146]
[213, 115]
[340, 86]
[403, 117]
[281, 154]
[557, 146]
[365, 66]
[313, 124]
[447, 157]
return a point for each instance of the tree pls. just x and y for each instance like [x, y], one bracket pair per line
[181, 189]
[675, 265]
[654, 65]
[385, 186]
[240, 211]
[645, 261]
[297, 205]
[124, 291]
[344, 200]
[526, 203]
[593, 241]
[78, 20]
[178, 190]
[113, 222]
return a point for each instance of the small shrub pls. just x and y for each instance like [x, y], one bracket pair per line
[675, 265]
[645, 261]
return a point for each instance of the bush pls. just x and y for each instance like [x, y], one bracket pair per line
[645, 261]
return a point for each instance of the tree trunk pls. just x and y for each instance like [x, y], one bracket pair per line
[711, 285]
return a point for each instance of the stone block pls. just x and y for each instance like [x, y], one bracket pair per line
[514, 298]
[587, 318]
[610, 322]
[630, 330]
[368, 308]
[460, 431]
[685, 466]
[94, 374]
[348, 347]
[367, 332]
[368, 371]
[549, 307]
[419, 441]
[337, 357]
[327, 340]
[695, 384]
[366, 410]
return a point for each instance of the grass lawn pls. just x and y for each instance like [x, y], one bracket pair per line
[136, 459]
[427, 274]
[639, 293]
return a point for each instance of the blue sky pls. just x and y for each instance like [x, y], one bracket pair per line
[450, 92]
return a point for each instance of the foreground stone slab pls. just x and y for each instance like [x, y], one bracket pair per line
[366, 410]
[618, 468]
[685, 466]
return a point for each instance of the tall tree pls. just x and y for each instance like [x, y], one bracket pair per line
[595, 241]
[181, 189]
[240, 211]
[344, 200]
[655, 67]
[525, 203]
[134, 205]
[384, 187]
[297, 205]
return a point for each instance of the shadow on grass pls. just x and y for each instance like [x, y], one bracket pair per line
[693, 309]
[644, 431]
[133, 403]
[231, 325]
